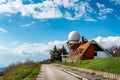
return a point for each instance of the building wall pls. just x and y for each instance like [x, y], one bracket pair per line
[101, 54]
[89, 54]
[74, 48]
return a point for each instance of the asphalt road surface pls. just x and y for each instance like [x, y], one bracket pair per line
[49, 72]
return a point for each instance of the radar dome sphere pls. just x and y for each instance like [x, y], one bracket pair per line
[74, 35]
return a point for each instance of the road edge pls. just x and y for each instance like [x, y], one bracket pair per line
[79, 77]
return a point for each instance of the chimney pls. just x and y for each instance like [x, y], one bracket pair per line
[83, 40]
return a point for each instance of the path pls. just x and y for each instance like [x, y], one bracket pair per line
[49, 72]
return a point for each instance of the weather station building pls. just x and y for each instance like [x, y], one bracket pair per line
[82, 49]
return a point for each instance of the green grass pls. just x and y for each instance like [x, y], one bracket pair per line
[111, 65]
[23, 72]
[19, 73]
[33, 74]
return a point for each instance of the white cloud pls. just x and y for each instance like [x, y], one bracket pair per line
[109, 41]
[30, 1]
[34, 51]
[47, 9]
[15, 43]
[11, 7]
[29, 24]
[69, 16]
[2, 1]
[102, 17]
[69, 3]
[32, 48]
[103, 11]
[4, 50]
[81, 10]
[3, 30]
[100, 5]
[117, 2]
[90, 19]
[38, 47]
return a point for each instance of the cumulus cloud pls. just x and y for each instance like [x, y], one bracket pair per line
[103, 11]
[2, 1]
[32, 48]
[47, 9]
[108, 42]
[3, 30]
[33, 51]
[81, 10]
[40, 48]
[10, 7]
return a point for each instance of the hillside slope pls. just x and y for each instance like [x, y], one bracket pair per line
[22, 71]
[111, 65]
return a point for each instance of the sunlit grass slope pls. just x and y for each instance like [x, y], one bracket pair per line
[23, 71]
[111, 65]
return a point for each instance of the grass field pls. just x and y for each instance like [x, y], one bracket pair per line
[111, 65]
[23, 72]
[33, 74]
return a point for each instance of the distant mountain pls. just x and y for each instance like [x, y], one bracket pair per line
[2, 69]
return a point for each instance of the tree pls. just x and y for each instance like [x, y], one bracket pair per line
[53, 53]
[62, 51]
[56, 53]
[114, 50]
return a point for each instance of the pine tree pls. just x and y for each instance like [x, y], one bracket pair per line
[56, 53]
[53, 53]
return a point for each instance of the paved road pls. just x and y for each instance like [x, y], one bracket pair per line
[50, 72]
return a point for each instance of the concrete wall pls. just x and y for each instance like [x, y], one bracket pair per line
[101, 54]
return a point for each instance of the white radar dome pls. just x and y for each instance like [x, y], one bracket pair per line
[74, 36]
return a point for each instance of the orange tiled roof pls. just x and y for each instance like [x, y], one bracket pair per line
[82, 47]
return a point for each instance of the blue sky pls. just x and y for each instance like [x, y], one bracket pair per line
[30, 28]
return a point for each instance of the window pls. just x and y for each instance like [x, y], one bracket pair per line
[95, 53]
